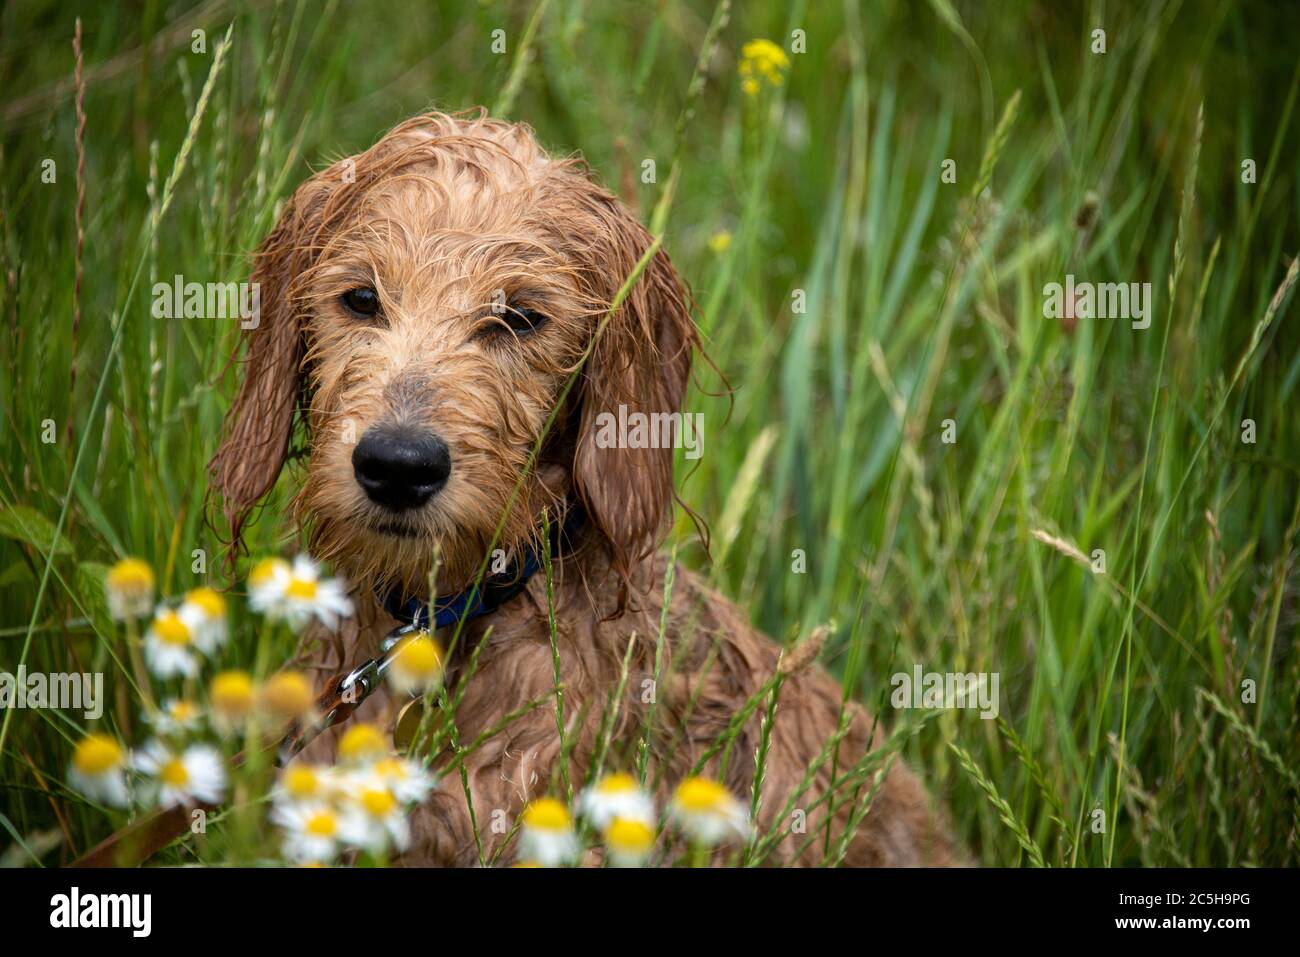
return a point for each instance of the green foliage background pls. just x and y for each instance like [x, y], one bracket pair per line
[1121, 692]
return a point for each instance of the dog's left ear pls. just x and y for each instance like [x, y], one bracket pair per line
[259, 425]
[641, 361]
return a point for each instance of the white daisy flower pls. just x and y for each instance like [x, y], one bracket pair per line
[129, 587]
[409, 782]
[363, 742]
[296, 593]
[616, 796]
[628, 841]
[231, 696]
[312, 831]
[305, 784]
[193, 776]
[373, 817]
[170, 646]
[209, 610]
[177, 716]
[416, 665]
[288, 696]
[267, 583]
[98, 770]
[546, 834]
[707, 812]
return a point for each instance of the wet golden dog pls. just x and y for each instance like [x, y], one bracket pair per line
[425, 304]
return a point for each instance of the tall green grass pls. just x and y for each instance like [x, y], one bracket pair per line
[860, 303]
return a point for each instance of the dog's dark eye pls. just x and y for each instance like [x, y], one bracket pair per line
[522, 320]
[363, 302]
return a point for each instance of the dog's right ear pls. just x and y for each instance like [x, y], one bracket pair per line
[258, 427]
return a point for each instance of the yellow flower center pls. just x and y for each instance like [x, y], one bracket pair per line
[171, 630]
[390, 768]
[267, 569]
[97, 754]
[232, 692]
[173, 773]
[618, 783]
[378, 803]
[628, 836]
[212, 604]
[701, 795]
[131, 575]
[720, 242]
[288, 693]
[361, 741]
[420, 657]
[547, 814]
[302, 588]
[321, 824]
[182, 711]
[301, 781]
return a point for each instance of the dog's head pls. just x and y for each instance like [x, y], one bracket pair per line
[425, 306]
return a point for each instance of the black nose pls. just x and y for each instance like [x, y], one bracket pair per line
[400, 469]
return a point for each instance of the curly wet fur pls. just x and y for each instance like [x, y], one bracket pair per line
[449, 218]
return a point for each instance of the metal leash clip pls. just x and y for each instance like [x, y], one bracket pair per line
[342, 697]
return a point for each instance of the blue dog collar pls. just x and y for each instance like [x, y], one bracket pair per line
[477, 600]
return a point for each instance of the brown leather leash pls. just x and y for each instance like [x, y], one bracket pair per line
[342, 696]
